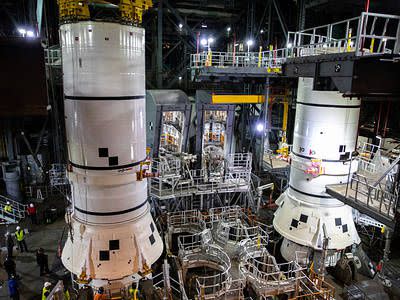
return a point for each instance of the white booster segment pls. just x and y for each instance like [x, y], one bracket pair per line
[112, 233]
[325, 136]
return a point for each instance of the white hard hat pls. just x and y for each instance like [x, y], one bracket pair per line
[8, 202]
[31, 205]
[18, 228]
[47, 284]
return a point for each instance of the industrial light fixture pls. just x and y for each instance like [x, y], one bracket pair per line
[180, 26]
[30, 33]
[228, 29]
[260, 127]
[203, 25]
[210, 40]
[180, 78]
[262, 31]
[22, 31]
[289, 45]
[250, 42]
[203, 42]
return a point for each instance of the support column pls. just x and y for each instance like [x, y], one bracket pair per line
[265, 122]
[159, 45]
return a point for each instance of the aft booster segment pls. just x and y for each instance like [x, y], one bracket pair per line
[325, 137]
[113, 235]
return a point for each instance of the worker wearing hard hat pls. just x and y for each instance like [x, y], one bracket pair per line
[31, 211]
[46, 290]
[8, 208]
[20, 236]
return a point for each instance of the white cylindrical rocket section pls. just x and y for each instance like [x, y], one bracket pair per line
[113, 233]
[325, 137]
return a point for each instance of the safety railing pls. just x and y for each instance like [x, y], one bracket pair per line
[239, 162]
[58, 175]
[193, 243]
[377, 198]
[172, 181]
[17, 213]
[257, 263]
[166, 167]
[176, 288]
[314, 288]
[369, 158]
[213, 285]
[52, 56]
[368, 34]
[187, 217]
[238, 230]
[267, 59]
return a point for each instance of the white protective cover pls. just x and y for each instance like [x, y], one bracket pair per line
[325, 128]
[104, 87]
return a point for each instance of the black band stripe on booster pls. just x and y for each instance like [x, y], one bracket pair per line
[329, 105]
[325, 160]
[105, 98]
[111, 213]
[106, 168]
[310, 195]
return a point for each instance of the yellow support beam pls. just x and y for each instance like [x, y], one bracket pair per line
[73, 10]
[132, 10]
[237, 99]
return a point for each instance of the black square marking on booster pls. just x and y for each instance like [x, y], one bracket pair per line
[113, 161]
[338, 221]
[294, 223]
[152, 227]
[152, 239]
[303, 218]
[113, 245]
[344, 228]
[104, 255]
[103, 152]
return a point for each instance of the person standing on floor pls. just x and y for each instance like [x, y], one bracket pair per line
[13, 288]
[20, 236]
[46, 290]
[10, 244]
[32, 213]
[43, 261]
[10, 267]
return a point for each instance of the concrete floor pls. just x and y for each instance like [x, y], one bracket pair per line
[47, 237]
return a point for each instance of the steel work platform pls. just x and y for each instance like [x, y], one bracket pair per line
[356, 56]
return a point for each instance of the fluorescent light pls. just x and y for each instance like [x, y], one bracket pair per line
[203, 25]
[22, 31]
[260, 127]
[203, 42]
[30, 33]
